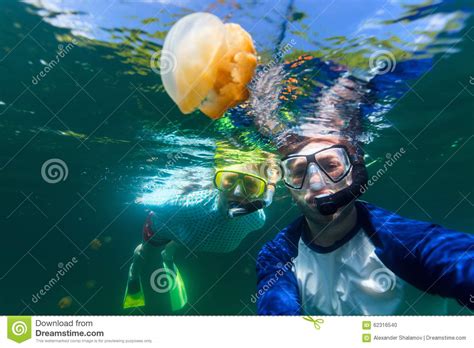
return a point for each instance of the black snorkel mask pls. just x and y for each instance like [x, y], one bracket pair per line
[336, 164]
[328, 205]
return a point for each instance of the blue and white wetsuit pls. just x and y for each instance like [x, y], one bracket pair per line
[386, 265]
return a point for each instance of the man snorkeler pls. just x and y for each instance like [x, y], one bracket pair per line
[344, 256]
[212, 219]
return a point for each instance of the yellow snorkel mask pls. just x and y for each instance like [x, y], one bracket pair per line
[246, 179]
[251, 185]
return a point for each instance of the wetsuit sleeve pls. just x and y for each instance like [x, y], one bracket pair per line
[445, 258]
[277, 287]
[435, 259]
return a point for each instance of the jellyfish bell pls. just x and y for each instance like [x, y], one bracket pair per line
[206, 64]
[65, 302]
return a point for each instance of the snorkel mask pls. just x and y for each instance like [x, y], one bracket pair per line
[330, 169]
[256, 192]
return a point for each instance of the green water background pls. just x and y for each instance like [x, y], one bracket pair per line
[109, 160]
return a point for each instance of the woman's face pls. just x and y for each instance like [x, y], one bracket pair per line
[247, 187]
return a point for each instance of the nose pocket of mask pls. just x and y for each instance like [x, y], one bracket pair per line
[315, 179]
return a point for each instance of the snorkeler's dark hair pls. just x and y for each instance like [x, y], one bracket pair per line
[350, 94]
[295, 142]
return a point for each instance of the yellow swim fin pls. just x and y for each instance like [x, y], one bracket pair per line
[134, 296]
[178, 295]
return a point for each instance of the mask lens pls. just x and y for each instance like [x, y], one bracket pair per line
[295, 170]
[254, 187]
[225, 181]
[334, 162]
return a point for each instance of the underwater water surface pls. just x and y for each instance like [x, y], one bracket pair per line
[101, 110]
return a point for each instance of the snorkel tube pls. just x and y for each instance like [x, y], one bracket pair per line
[328, 205]
[238, 209]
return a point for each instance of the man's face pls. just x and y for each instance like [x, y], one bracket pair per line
[317, 182]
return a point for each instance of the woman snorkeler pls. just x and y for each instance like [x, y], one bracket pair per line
[214, 217]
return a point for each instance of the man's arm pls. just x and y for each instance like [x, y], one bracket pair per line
[277, 287]
[446, 262]
[435, 259]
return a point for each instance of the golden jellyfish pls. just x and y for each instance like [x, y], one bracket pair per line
[95, 244]
[90, 284]
[206, 64]
[65, 302]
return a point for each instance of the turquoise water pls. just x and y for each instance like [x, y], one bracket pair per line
[102, 110]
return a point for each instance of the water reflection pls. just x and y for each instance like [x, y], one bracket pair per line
[131, 143]
[305, 51]
[348, 36]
